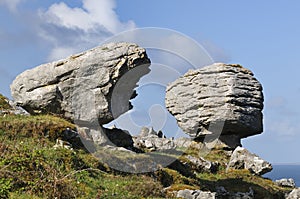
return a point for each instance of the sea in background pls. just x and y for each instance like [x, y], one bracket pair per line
[285, 171]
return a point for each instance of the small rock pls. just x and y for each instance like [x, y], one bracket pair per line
[195, 194]
[149, 139]
[243, 195]
[202, 165]
[294, 194]
[241, 158]
[286, 182]
[62, 144]
[183, 142]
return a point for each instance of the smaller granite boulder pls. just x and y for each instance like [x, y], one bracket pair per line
[286, 182]
[241, 158]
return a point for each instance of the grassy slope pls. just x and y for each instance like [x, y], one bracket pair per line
[3, 103]
[31, 168]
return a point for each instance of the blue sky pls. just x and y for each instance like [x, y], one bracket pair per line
[261, 35]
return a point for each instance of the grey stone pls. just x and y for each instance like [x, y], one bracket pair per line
[195, 194]
[183, 142]
[221, 192]
[107, 137]
[220, 98]
[9, 107]
[150, 140]
[243, 195]
[294, 194]
[62, 144]
[241, 158]
[202, 165]
[83, 87]
[286, 182]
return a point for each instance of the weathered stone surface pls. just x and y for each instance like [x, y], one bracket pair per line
[241, 158]
[107, 137]
[295, 194]
[153, 141]
[183, 142]
[220, 98]
[80, 87]
[9, 107]
[243, 195]
[202, 165]
[195, 194]
[286, 182]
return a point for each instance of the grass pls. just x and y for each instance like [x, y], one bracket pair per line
[34, 126]
[31, 168]
[4, 105]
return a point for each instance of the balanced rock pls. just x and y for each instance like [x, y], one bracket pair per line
[84, 87]
[218, 99]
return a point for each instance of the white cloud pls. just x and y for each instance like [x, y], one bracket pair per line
[11, 4]
[71, 30]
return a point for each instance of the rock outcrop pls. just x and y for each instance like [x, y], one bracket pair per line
[294, 194]
[220, 194]
[195, 194]
[218, 99]
[150, 140]
[286, 182]
[8, 107]
[241, 158]
[80, 87]
[202, 165]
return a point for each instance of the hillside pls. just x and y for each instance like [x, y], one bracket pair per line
[31, 168]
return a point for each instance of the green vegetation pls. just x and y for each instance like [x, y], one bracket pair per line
[4, 105]
[31, 168]
[34, 126]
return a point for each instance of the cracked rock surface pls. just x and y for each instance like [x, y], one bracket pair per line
[80, 87]
[218, 99]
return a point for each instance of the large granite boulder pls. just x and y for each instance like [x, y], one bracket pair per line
[218, 99]
[81, 86]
